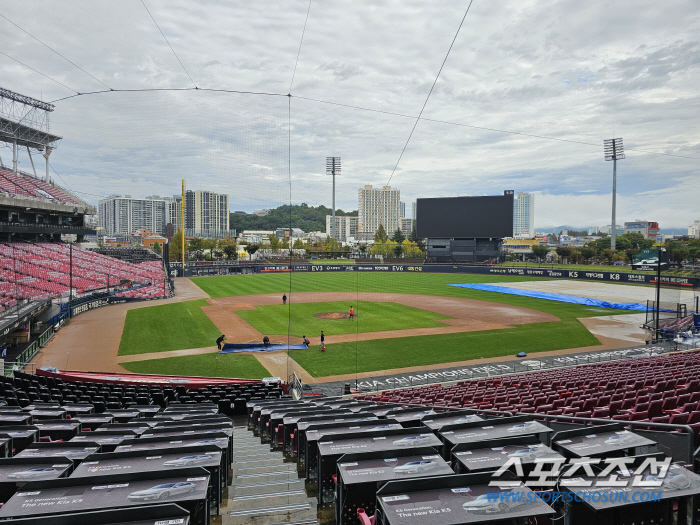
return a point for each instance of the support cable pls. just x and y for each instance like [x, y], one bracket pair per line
[303, 31]
[167, 42]
[52, 49]
[430, 92]
[42, 74]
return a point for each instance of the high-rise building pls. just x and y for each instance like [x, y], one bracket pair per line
[694, 230]
[345, 227]
[650, 230]
[206, 213]
[378, 206]
[124, 215]
[406, 225]
[524, 216]
[403, 209]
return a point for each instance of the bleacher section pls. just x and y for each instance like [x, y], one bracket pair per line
[27, 186]
[662, 389]
[134, 255]
[42, 270]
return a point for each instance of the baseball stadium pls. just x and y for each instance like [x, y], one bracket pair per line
[169, 361]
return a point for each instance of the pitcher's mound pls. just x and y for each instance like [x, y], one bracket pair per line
[333, 315]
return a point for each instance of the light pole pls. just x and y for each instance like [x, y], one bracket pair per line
[614, 151]
[333, 168]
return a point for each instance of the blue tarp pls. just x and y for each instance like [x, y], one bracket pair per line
[586, 301]
[233, 348]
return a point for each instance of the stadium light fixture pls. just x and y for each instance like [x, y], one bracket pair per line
[333, 168]
[614, 151]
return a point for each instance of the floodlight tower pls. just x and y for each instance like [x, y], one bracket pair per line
[614, 151]
[333, 168]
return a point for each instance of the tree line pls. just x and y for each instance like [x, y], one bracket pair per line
[304, 217]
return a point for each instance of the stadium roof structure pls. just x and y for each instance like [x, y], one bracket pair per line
[27, 136]
[25, 120]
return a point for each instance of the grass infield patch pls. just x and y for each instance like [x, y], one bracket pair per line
[174, 326]
[204, 365]
[371, 317]
[387, 354]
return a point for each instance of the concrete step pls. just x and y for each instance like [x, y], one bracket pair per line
[252, 455]
[277, 467]
[269, 499]
[269, 486]
[256, 462]
[293, 513]
[264, 477]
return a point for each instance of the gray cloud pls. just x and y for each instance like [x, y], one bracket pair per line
[575, 71]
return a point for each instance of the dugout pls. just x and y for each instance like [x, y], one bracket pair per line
[187, 487]
[331, 448]
[169, 514]
[605, 505]
[359, 476]
[454, 500]
[208, 457]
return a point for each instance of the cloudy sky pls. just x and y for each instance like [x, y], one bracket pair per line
[577, 71]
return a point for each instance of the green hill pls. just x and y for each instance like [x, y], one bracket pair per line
[306, 217]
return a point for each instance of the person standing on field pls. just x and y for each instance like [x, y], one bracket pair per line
[323, 342]
[284, 299]
[220, 341]
[352, 313]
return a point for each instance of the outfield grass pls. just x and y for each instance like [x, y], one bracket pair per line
[371, 317]
[165, 327]
[205, 365]
[392, 282]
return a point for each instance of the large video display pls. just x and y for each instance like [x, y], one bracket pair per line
[465, 217]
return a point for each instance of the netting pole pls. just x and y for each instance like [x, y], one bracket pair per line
[658, 294]
[182, 220]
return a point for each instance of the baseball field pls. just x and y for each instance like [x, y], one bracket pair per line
[402, 320]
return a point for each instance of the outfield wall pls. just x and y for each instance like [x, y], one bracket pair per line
[589, 275]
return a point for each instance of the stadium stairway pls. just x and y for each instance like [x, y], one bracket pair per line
[266, 489]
